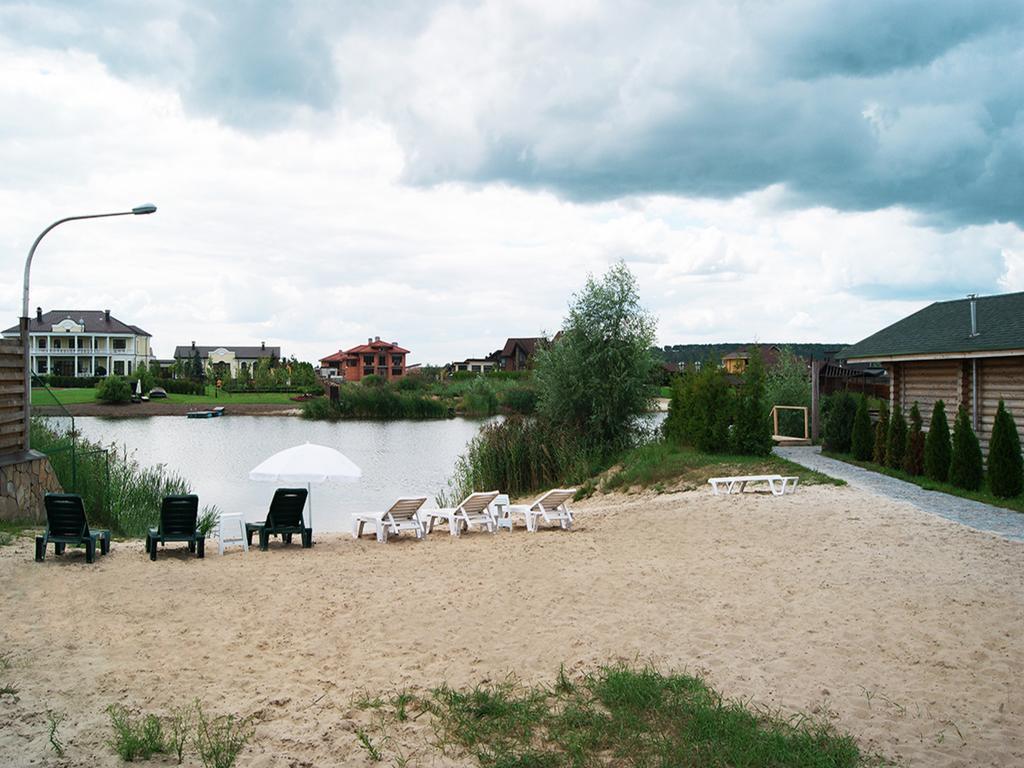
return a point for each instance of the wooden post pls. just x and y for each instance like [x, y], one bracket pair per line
[815, 401]
[775, 418]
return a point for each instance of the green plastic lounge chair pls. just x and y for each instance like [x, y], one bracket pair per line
[178, 516]
[66, 524]
[283, 519]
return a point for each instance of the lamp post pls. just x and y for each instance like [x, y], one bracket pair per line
[139, 210]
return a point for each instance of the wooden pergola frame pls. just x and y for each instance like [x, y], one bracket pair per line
[786, 439]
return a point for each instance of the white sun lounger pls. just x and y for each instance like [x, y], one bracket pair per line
[552, 507]
[474, 510]
[777, 484]
[402, 516]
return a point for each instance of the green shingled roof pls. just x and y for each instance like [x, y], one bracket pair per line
[945, 327]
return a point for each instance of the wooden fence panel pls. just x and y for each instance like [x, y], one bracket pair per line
[12, 396]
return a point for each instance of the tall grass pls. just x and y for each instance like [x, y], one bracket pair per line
[384, 402]
[118, 493]
[519, 455]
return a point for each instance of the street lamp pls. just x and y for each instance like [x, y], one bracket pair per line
[139, 210]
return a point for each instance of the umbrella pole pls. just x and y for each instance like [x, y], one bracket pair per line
[309, 498]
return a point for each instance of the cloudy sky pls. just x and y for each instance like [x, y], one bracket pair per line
[446, 174]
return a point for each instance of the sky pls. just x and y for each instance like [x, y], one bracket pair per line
[446, 175]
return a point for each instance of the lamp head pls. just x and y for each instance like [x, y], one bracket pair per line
[144, 208]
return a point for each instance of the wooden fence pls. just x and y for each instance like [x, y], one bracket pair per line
[12, 396]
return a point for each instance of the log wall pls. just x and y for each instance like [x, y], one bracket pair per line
[12, 396]
[951, 381]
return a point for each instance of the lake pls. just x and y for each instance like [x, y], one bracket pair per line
[398, 458]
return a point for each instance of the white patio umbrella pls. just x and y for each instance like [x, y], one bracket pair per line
[308, 463]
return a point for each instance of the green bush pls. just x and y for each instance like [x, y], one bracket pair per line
[114, 389]
[937, 448]
[838, 413]
[913, 457]
[357, 402]
[707, 410]
[521, 400]
[182, 386]
[896, 440]
[480, 399]
[751, 433]
[1005, 464]
[135, 737]
[220, 740]
[862, 438]
[965, 470]
[146, 376]
[675, 427]
[881, 435]
[71, 382]
[788, 383]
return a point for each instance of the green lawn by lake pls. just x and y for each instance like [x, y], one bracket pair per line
[42, 397]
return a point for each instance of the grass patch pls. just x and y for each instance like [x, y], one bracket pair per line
[10, 531]
[79, 396]
[983, 495]
[662, 464]
[135, 737]
[622, 716]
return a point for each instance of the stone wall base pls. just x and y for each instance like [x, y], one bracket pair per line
[24, 479]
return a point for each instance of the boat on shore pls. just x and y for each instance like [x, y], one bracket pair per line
[207, 414]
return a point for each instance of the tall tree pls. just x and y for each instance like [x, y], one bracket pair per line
[1005, 465]
[595, 378]
[896, 440]
[863, 438]
[965, 465]
[913, 458]
[881, 435]
[751, 433]
[937, 448]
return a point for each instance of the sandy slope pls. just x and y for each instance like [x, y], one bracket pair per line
[906, 630]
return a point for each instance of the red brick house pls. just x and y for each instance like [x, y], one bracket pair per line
[381, 358]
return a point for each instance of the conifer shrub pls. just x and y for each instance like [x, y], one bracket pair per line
[862, 438]
[881, 435]
[896, 440]
[707, 423]
[913, 458]
[675, 428]
[840, 412]
[751, 433]
[1005, 464]
[937, 448]
[965, 469]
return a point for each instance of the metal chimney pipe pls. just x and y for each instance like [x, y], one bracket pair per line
[974, 313]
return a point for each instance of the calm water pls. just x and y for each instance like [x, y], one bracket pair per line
[398, 458]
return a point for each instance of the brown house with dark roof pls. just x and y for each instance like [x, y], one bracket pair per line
[375, 357]
[966, 352]
[517, 353]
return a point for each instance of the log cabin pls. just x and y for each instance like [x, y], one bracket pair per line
[966, 352]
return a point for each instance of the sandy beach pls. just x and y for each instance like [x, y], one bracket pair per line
[903, 629]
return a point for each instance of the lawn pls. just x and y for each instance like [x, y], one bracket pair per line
[42, 397]
[661, 465]
[983, 495]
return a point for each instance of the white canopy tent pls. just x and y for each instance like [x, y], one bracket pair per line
[308, 463]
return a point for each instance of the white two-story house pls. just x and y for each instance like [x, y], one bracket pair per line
[89, 342]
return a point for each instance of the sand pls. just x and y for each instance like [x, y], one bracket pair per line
[901, 628]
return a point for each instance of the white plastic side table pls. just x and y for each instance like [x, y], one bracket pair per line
[230, 524]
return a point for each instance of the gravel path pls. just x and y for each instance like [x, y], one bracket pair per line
[974, 514]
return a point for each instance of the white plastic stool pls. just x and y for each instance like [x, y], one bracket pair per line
[502, 518]
[227, 525]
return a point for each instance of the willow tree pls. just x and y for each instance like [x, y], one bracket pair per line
[595, 379]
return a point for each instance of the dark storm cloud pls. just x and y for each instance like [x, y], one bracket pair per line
[852, 105]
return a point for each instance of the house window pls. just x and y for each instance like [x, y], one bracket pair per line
[396, 359]
[41, 343]
[56, 343]
[367, 371]
[119, 367]
[351, 362]
[120, 343]
[367, 359]
[396, 371]
[41, 366]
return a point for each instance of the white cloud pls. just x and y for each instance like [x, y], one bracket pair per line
[307, 236]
